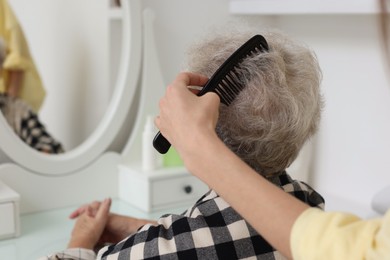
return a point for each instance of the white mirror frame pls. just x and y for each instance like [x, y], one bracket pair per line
[111, 123]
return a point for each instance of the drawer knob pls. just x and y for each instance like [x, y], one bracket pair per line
[187, 189]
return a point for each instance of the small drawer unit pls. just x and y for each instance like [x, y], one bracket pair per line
[9, 212]
[159, 189]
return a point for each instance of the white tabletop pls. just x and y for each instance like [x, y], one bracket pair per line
[46, 232]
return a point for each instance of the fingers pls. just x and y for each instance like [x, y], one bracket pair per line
[179, 103]
[190, 79]
[89, 211]
[184, 81]
[213, 97]
[78, 212]
[193, 82]
[104, 209]
[92, 209]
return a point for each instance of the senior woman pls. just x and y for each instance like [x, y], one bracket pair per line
[266, 126]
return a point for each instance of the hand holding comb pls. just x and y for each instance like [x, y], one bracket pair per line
[224, 82]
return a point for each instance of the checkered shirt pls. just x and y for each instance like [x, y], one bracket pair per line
[211, 229]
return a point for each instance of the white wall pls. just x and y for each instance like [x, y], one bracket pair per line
[179, 23]
[69, 43]
[352, 146]
[351, 155]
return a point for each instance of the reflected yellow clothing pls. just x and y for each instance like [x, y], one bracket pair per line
[18, 58]
[329, 235]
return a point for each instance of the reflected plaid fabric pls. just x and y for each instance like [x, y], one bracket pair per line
[26, 124]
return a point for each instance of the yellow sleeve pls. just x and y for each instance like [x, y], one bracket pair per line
[18, 57]
[327, 235]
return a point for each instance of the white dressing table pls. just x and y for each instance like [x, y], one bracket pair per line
[47, 232]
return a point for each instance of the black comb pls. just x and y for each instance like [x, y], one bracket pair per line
[224, 82]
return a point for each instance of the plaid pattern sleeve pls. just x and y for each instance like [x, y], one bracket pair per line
[210, 229]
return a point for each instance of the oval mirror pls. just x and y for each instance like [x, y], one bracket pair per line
[99, 108]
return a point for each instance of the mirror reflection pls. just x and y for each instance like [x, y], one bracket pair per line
[21, 88]
[54, 81]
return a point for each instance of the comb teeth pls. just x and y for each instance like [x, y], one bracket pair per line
[230, 86]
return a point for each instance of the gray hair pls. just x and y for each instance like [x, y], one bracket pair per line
[278, 110]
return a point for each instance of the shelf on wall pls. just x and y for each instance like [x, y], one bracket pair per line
[286, 7]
